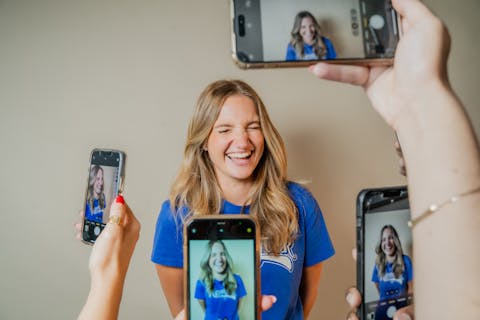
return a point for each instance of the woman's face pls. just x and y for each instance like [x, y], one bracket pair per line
[307, 30]
[217, 261]
[236, 143]
[98, 183]
[388, 242]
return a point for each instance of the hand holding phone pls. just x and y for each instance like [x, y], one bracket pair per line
[106, 172]
[222, 259]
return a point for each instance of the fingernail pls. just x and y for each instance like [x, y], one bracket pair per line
[274, 299]
[349, 298]
[119, 199]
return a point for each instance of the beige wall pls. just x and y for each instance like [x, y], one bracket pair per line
[125, 74]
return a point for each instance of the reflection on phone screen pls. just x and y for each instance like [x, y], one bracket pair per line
[388, 271]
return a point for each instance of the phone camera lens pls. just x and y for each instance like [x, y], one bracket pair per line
[241, 25]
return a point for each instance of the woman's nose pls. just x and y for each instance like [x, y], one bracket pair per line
[241, 137]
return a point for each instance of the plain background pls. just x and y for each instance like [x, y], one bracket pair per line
[125, 74]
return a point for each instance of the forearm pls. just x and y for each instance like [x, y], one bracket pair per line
[171, 280]
[103, 301]
[308, 300]
[309, 287]
[439, 145]
[438, 142]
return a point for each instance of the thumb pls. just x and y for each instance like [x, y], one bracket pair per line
[118, 211]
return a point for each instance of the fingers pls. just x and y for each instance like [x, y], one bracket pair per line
[356, 75]
[353, 298]
[406, 313]
[352, 315]
[354, 254]
[401, 161]
[411, 10]
[180, 315]
[267, 302]
[78, 226]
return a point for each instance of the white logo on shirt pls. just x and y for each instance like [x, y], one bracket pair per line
[223, 294]
[285, 259]
[390, 277]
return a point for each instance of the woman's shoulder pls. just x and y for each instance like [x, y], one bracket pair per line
[298, 190]
[407, 259]
[167, 211]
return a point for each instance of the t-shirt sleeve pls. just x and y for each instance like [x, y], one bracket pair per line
[331, 54]
[241, 291]
[200, 291]
[375, 275]
[291, 54]
[168, 239]
[408, 267]
[318, 246]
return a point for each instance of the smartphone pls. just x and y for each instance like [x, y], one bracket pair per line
[221, 254]
[384, 252]
[106, 172]
[297, 33]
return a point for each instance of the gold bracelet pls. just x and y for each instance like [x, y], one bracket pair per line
[435, 207]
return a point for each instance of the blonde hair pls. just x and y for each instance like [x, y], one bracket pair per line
[206, 274]
[197, 188]
[297, 40]
[381, 260]
[90, 192]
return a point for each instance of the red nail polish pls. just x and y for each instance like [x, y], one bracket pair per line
[119, 199]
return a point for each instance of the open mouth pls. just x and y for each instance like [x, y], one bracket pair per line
[240, 155]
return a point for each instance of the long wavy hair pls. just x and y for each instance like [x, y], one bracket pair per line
[381, 260]
[206, 274]
[90, 192]
[197, 188]
[297, 41]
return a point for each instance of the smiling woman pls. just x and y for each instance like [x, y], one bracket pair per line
[236, 144]
[235, 162]
[308, 41]
[219, 290]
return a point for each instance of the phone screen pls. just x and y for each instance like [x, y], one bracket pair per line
[102, 188]
[299, 30]
[221, 274]
[384, 262]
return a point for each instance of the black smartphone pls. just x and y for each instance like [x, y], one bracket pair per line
[221, 254]
[106, 172]
[296, 33]
[384, 252]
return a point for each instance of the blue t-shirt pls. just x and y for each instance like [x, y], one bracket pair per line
[96, 214]
[220, 304]
[309, 53]
[391, 287]
[280, 275]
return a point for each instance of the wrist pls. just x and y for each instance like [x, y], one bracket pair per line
[424, 106]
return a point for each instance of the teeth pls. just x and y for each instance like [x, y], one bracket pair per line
[239, 155]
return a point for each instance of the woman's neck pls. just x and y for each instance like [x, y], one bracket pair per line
[219, 276]
[236, 193]
[390, 259]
